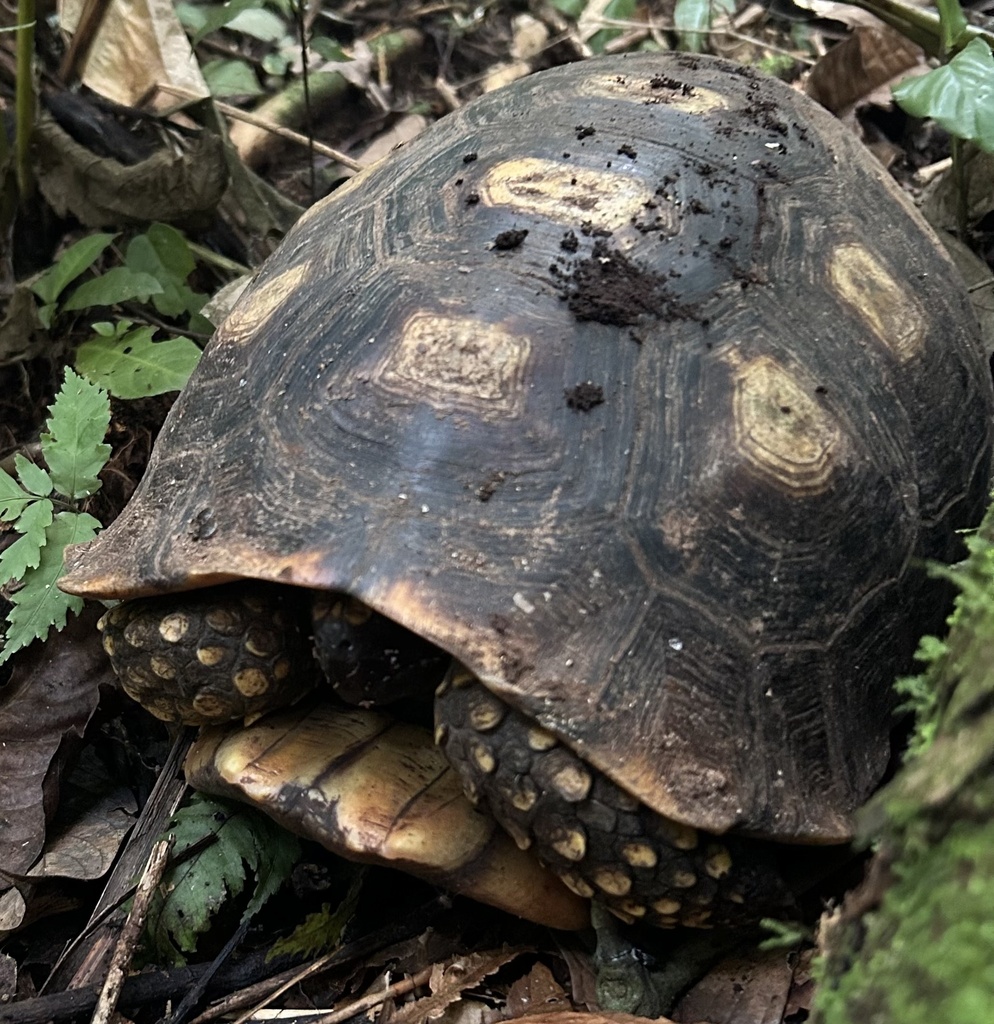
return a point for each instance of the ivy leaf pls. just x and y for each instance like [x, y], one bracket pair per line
[72, 445]
[39, 604]
[135, 366]
[118, 285]
[959, 95]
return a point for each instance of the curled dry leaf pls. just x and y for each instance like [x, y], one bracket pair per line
[130, 27]
[22, 335]
[751, 990]
[44, 710]
[170, 186]
[856, 67]
[606, 1017]
[537, 992]
[449, 981]
[85, 845]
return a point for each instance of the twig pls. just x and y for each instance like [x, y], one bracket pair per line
[130, 933]
[371, 999]
[268, 126]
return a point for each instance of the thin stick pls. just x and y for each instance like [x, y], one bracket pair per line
[268, 126]
[130, 933]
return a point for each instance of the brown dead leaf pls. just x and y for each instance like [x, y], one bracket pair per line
[582, 976]
[835, 10]
[531, 37]
[450, 980]
[170, 186]
[941, 205]
[608, 1017]
[802, 988]
[85, 845]
[8, 978]
[740, 991]
[44, 709]
[537, 992]
[22, 335]
[501, 75]
[868, 59]
[140, 44]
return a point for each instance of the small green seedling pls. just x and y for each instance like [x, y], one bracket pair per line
[42, 506]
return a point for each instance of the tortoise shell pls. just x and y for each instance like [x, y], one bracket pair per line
[638, 388]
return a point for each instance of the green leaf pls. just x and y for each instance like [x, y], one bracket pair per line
[230, 78]
[323, 931]
[195, 888]
[328, 49]
[571, 8]
[199, 323]
[217, 17]
[25, 552]
[134, 366]
[39, 604]
[36, 519]
[72, 445]
[952, 22]
[70, 265]
[693, 19]
[259, 24]
[959, 95]
[276, 64]
[13, 498]
[118, 285]
[163, 253]
[273, 866]
[623, 10]
[33, 477]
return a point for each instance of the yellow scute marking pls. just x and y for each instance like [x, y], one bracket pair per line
[565, 193]
[458, 362]
[780, 428]
[697, 100]
[259, 304]
[892, 313]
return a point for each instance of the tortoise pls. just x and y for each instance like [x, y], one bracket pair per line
[637, 391]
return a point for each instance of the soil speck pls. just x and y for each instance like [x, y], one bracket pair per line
[585, 396]
[510, 239]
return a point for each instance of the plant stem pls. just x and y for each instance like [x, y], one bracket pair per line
[25, 102]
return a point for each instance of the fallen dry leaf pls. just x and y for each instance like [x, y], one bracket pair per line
[856, 67]
[44, 710]
[740, 991]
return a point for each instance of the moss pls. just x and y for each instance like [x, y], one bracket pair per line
[928, 954]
